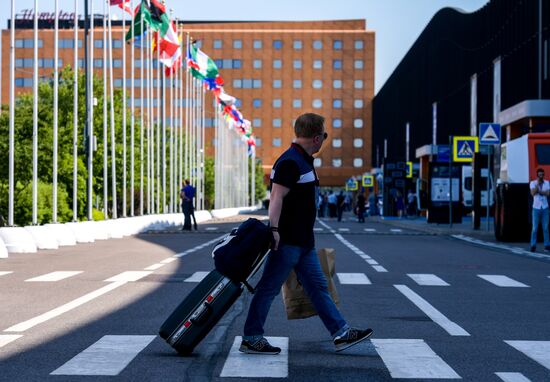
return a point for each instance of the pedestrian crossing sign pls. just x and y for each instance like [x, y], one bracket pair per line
[409, 169]
[351, 185]
[368, 181]
[464, 148]
[489, 133]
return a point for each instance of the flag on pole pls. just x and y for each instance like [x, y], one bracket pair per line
[168, 46]
[201, 66]
[125, 6]
[139, 18]
[116, 2]
[158, 19]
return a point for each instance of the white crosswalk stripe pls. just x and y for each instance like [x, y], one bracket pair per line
[108, 356]
[3, 273]
[196, 277]
[353, 278]
[412, 358]
[538, 351]
[129, 276]
[513, 377]
[211, 228]
[503, 281]
[243, 365]
[396, 230]
[370, 229]
[7, 338]
[343, 229]
[427, 279]
[54, 276]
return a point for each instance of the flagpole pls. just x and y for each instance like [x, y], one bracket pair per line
[164, 207]
[148, 124]
[90, 116]
[35, 121]
[132, 114]
[111, 94]
[182, 158]
[105, 118]
[12, 116]
[124, 111]
[203, 137]
[187, 110]
[142, 109]
[55, 106]
[75, 115]
[157, 128]
[171, 139]
[152, 134]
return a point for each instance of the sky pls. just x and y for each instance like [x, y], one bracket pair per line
[397, 23]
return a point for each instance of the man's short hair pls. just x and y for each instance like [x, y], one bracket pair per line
[309, 125]
[540, 169]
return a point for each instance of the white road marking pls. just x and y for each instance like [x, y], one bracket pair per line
[343, 229]
[370, 229]
[54, 276]
[395, 230]
[516, 250]
[129, 276]
[503, 281]
[450, 327]
[353, 278]
[108, 356]
[168, 260]
[538, 351]
[243, 365]
[427, 279]
[211, 228]
[379, 268]
[21, 327]
[154, 267]
[413, 359]
[372, 262]
[7, 338]
[199, 247]
[3, 273]
[197, 277]
[318, 229]
[513, 377]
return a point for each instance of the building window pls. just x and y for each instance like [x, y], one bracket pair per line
[337, 45]
[297, 103]
[256, 84]
[358, 123]
[23, 82]
[277, 103]
[258, 142]
[198, 44]
[337, 64]
[257, 44]
[117, 44]
[336, 123]
[297, 84]
[337, 143]
[358, 44]
[317, 64]
[117, 63]
[237, 83]
[257, 64]
[317, 162]
[68, 43]
[276, 142]
[357, 162]
[217, 44]
[277, 84]
[317, 103]
[117, 82]
[98, 44]
[257, 122]
[337, 84]
[358, 103]
[357, 143]
[317, 84]
[358, 84]
[336, 162]
[297, 64]
[277, 64]
[317, 44]
[358, 64]
[98, 63]
[277, 122]
[247, 83]
[277, 44]
[257, 103]
[337, 103]
[297, 44]
[238, 102]
[237, 44]
[28, 43]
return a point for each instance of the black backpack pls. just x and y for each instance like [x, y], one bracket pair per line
[238, 253]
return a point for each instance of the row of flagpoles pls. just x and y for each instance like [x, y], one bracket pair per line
[181, 137]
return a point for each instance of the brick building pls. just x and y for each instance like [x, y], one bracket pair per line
[277, 70]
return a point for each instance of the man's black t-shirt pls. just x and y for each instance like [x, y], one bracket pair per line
[294, 170]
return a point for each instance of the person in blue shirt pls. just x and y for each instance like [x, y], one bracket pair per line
[187, 194]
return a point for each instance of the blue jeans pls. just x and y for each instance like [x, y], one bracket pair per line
[538, 215]
[277, 267]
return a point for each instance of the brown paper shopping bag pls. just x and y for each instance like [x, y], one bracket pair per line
[296, 300]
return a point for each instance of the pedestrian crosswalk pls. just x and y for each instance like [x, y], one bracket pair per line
[54, 276]
[503, 281]
[403, 358]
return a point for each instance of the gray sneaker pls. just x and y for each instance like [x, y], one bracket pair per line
[262, 346]
[351, 337]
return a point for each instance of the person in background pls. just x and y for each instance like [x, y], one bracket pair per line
[540, 189]
[361, 208]
[399, 204]
[411, 203]
[331, 204]
[187, 195]
[340, 205]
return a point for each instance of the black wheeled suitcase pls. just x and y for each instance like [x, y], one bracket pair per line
[201, 310]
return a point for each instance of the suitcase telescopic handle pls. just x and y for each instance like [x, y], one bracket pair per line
[204, 315]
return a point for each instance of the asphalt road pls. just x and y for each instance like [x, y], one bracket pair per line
[486, 311]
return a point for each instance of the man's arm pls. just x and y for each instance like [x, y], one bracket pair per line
[278, 192]
[534, 190]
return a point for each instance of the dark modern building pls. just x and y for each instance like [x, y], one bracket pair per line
[484, 66]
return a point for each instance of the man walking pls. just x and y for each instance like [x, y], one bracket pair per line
[187, 194]
[540, 189]
[292, 209]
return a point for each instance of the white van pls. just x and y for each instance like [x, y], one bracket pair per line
[467, 195]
